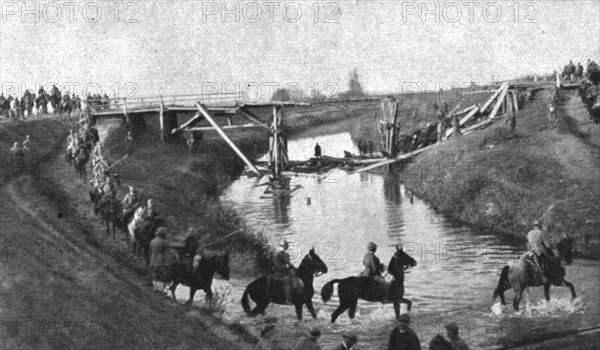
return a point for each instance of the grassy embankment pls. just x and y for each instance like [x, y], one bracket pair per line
[502, 181]
[62, 286]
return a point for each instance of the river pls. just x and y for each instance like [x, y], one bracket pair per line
[458, 268]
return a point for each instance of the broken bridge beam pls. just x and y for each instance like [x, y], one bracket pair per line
[208, 117]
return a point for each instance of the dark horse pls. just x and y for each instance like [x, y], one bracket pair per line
[80, 163]
[350, 289]
[311, 266]
[522, 273]
[110, 212]
[182, 272]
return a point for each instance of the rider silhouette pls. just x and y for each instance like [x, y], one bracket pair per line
[373, 266]
[539, 246]
[284, 270]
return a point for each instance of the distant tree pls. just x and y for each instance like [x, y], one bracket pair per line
[355, 88]
[281, 95]
[317, 96]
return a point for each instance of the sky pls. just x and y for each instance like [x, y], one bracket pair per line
[147, 48]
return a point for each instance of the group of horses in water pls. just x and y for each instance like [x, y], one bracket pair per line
[518, 275]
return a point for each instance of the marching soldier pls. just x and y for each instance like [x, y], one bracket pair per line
[130, 202]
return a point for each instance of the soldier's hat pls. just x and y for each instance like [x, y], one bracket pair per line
[536, 223]
[284, 242]
[452, 327]
[371, 246]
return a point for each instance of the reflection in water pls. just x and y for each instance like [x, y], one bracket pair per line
[281, 209]
[393, 201]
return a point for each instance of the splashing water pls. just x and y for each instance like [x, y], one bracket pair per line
[556, 307]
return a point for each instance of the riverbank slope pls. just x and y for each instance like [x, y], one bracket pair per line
[503, 181]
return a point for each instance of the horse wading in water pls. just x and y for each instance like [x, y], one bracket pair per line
[522, 273]
[311, 266]
[350, 289]
[200, 275]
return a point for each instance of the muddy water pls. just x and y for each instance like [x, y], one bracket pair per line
[339, 213]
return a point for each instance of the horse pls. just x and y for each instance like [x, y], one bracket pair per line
[80, 162]
[350, 289]
[310, 266]
[110, 212]
[200, 277]
[141, 232]
[522, 273]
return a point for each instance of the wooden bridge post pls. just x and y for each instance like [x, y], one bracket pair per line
[162, 119]
[125, 109]
[391, 128]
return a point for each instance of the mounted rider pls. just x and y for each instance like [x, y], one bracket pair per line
[130, 202]
[539, 247]
[72, 142]
[284, 270]
[17, 156]
[373, 267]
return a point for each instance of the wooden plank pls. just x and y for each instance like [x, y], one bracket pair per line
[390, 161]
[499, 102]
[515, 100]
[493, 97]
[185, 126]
[226, 138]
[226, 127]
[246, 113]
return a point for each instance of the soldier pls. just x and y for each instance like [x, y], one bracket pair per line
[579, 71]
[349, 340]
[538, 246]
[317, 151]
[551, 116]
[373, 267]
[158, 260]
[150, 213]
[128, 141]
[403, 337]
[72, 142]
[284, 270]
[17, 157]
[452, 333]
[130, 202]
[25, 143]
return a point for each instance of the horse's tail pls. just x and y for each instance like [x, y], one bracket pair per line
[327, 290]
[503, 283]
[245, 302]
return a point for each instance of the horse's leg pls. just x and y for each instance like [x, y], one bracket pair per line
[352, 310]
[173, 288]
[298, 306]
[343, 307]
[311, 308]
[547, 291]
[517, 299]
[191, 299]
[397, 309]
[407, 302]
[571, 287]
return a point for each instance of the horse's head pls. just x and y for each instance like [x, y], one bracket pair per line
[313, 263]
[565, 249]
[400, 262]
